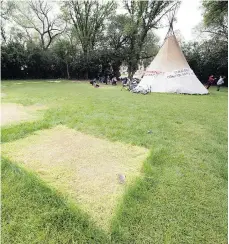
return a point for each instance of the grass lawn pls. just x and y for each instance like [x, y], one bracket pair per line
[182, 196]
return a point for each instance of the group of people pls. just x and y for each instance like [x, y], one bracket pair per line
[105, 79]
[113, 81]
[125, 81]
[212, 80]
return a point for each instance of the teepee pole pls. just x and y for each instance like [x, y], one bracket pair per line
[171, 19]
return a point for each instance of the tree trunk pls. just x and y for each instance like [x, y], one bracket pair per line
[86, 54]
[68, 74]
[116, 67]
[131, 71]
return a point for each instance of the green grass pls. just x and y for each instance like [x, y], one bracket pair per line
[182, 197]
[33, 213]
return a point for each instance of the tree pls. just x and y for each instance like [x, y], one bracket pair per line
[88, 18]
[93, 43]
[36, 17]
[207, 57]
[13, 59]
[116, 41]
[119, 40]
[144, 16]
[216, 18]
[66, 52]
[6, 11]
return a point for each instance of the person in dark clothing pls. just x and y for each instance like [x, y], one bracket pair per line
[92, 82]
[105, 80]
[211, 80]
[96, 84]
[114, 81]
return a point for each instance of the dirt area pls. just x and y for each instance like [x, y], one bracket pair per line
[54, 81]
[107, 87]
[12, 113]
[84, 167]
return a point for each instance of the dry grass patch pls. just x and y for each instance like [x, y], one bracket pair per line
[12, 113]
[84, 167]
[107, 86]
[54, 81]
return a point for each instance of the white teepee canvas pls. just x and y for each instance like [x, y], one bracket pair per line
[170, 72]
[139, 73]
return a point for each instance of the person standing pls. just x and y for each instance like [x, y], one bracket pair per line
[220, 82]
[114, 81]
[211, 80]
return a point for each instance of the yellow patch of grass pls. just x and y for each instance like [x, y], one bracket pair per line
[84, 167]
[12, 113]
[107, 86]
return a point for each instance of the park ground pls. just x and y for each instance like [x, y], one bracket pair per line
[181, 195]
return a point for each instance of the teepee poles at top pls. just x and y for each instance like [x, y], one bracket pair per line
[171, 17]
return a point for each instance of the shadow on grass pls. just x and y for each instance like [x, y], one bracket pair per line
[169, 204]
[34, 213]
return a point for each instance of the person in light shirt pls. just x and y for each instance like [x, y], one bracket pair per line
[220, 82]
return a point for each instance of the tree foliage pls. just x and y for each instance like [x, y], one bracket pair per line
[6, 11]
[216, 18]
[143, 16]
[207, 58]
[36, 17]
[88, 20]
[84, 39]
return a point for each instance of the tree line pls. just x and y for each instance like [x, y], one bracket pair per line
[83, 39]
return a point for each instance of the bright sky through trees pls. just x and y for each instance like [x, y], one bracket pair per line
[188, 16]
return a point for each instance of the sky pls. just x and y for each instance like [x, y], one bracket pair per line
[189, 15]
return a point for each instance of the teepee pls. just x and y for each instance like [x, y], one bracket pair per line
[140, 72]
[169, 71]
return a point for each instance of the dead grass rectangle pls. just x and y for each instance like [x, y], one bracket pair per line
[12, 113]
[84, 167]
